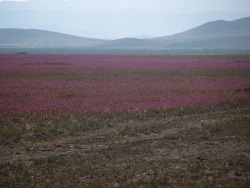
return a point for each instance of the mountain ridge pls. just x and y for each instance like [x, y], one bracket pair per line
[214, 29]
[109, 24]
[37, 37]
[218, 34]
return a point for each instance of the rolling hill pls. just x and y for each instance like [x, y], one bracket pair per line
[213, 35]
[215, 29]
[216, 34]
[71, 17]
[40, 38]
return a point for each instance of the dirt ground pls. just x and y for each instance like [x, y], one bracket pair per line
[188, 138]
[183, 143]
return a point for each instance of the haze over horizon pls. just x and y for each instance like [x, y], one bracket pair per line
[111, 19]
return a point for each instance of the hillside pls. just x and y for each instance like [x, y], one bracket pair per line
[74, 18]
[40, 38]
[213, 36]
[215, 29]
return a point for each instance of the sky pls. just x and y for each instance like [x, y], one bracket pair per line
[113, 19]
[176, 6]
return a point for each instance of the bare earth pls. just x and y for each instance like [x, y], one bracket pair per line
[189, 138]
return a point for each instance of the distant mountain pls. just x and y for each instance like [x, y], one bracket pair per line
[216, 34]
[215, 29]
[73, 17]
[40, 38]
[226, 35]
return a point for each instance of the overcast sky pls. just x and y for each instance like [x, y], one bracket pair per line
[176, 6]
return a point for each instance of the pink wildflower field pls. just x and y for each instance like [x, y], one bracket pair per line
[124, 121]
[97, 84]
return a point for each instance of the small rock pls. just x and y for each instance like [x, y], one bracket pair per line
[201, 159]
[59, 145]
[45, 149]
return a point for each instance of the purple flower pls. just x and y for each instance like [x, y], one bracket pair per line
[102, 84]
[127, 170]
[219, 186]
